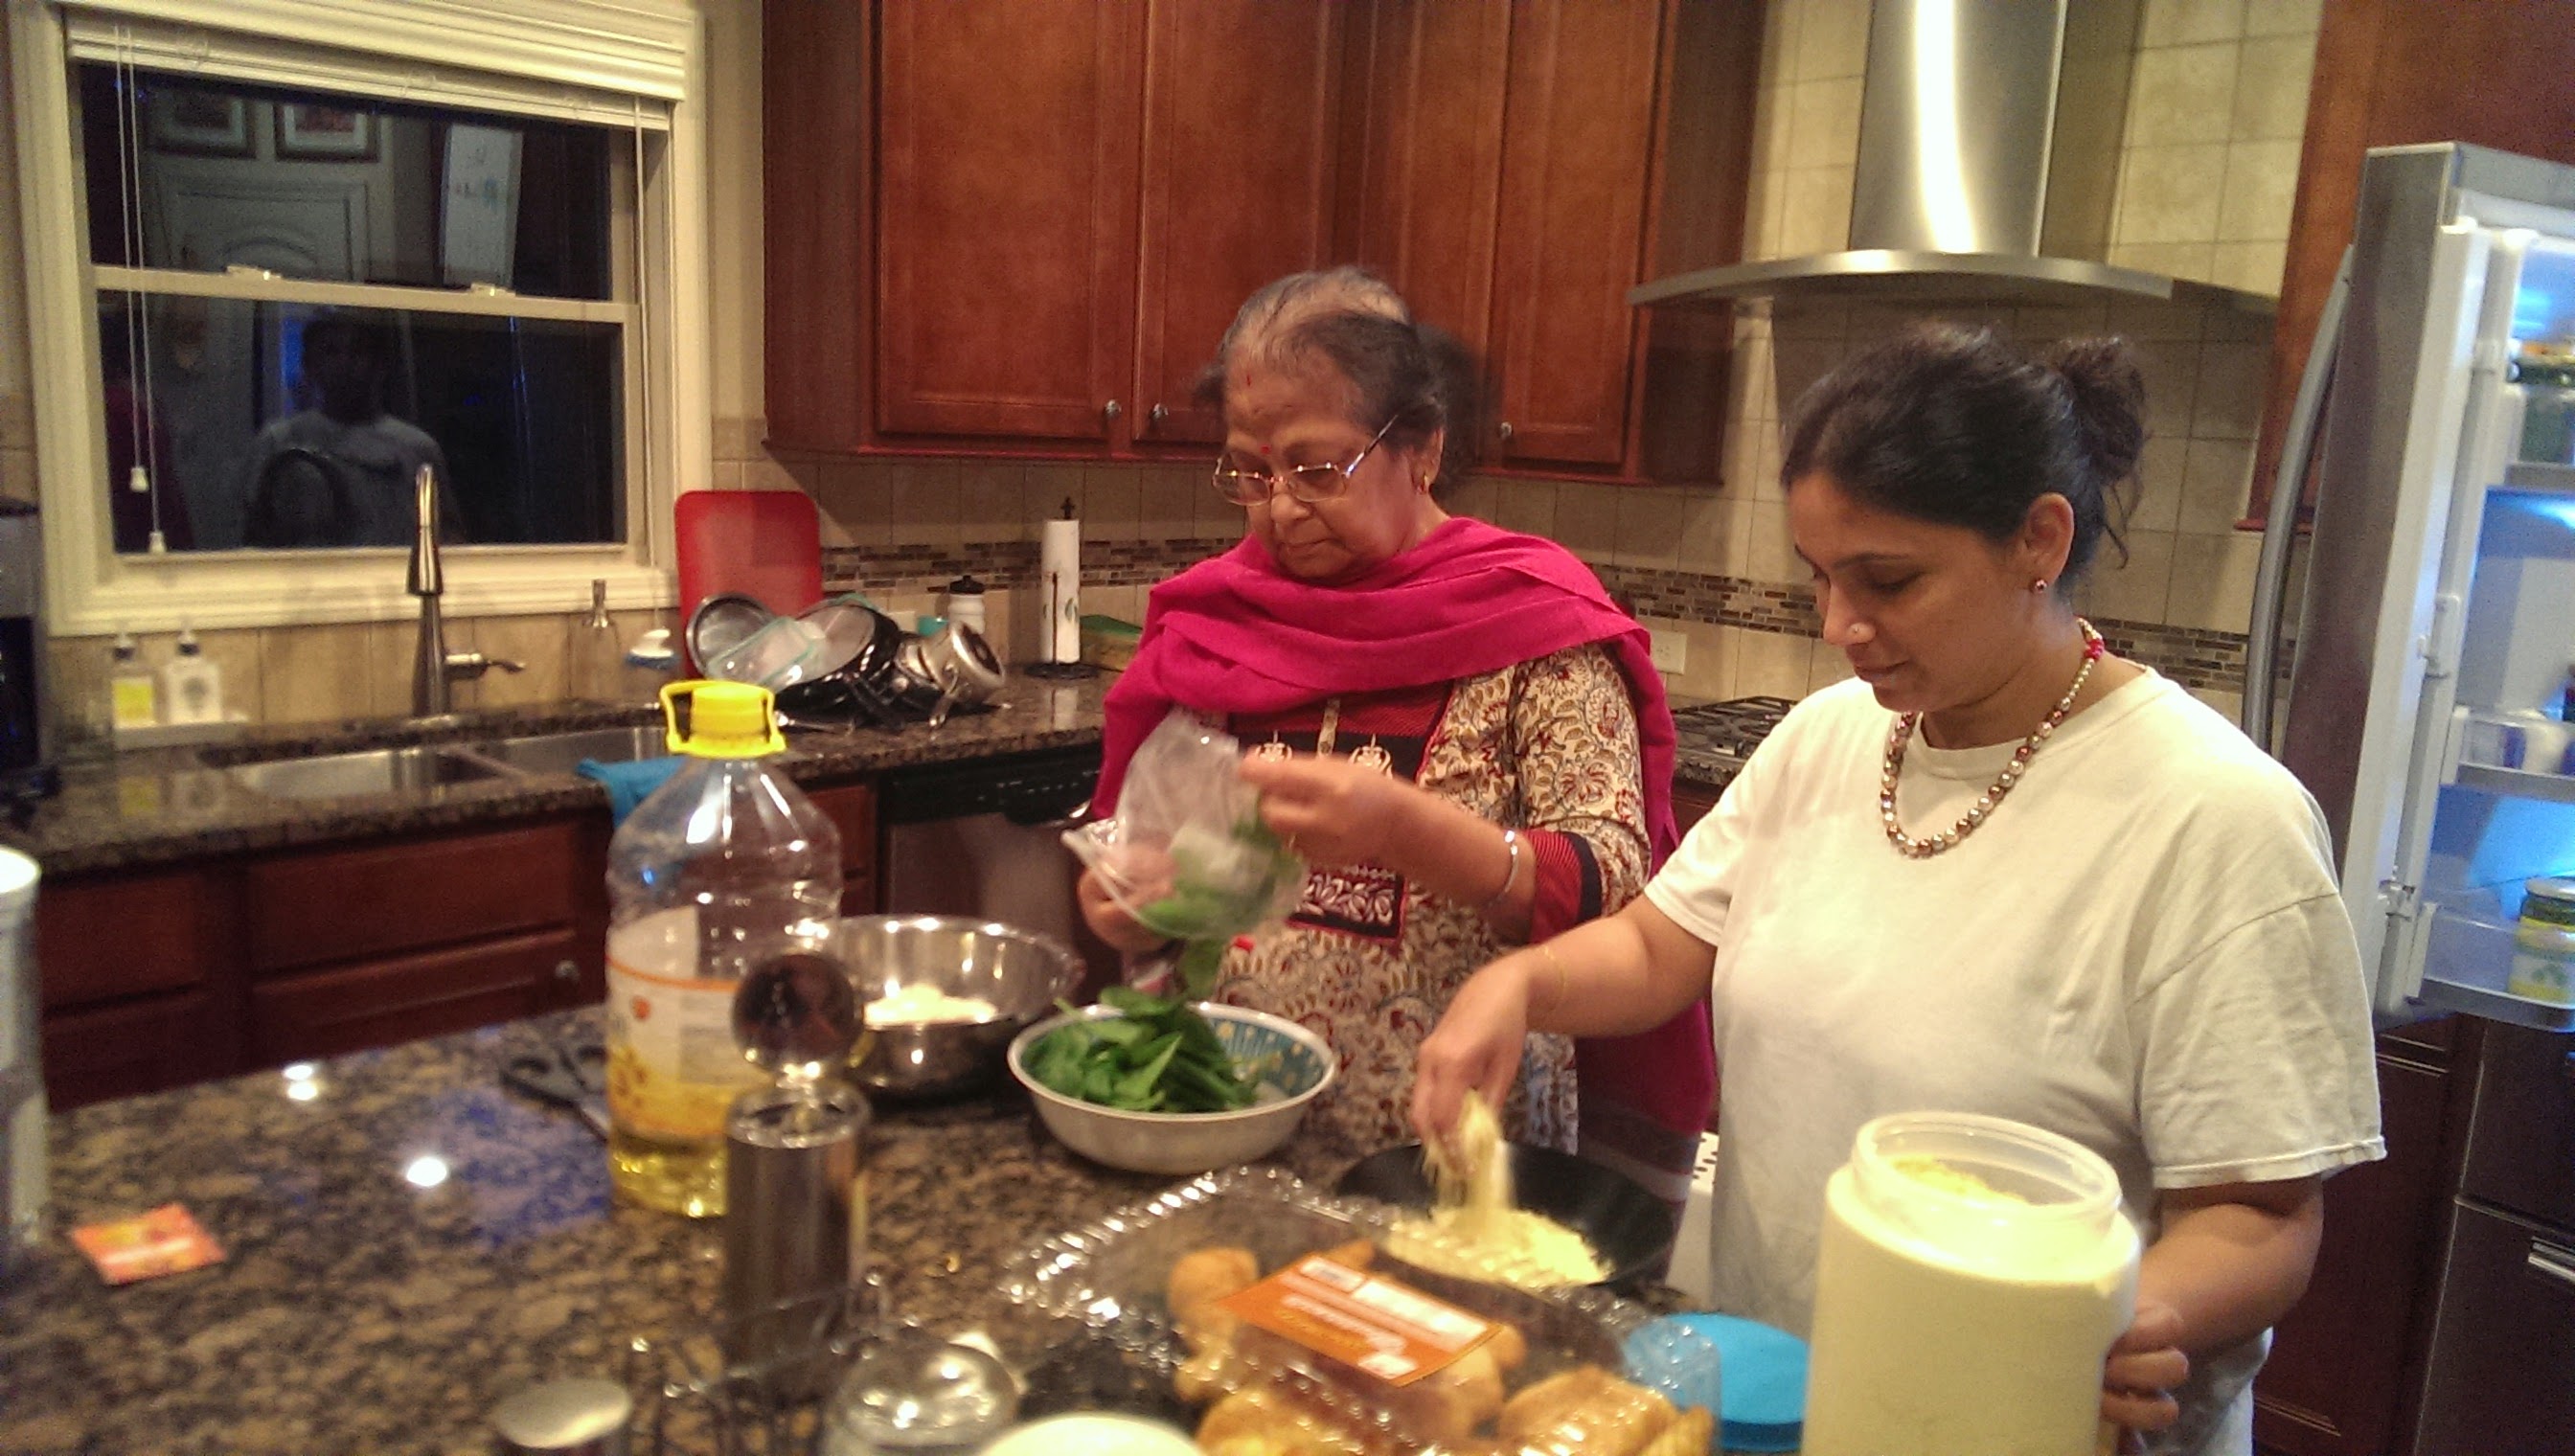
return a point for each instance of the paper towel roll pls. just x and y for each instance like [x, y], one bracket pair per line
[1060, 591]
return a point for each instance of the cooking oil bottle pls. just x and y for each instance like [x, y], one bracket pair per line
[723, 869]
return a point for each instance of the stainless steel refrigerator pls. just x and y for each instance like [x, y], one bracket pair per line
[2428, 709]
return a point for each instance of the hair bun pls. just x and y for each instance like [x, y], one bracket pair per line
[2109, 399]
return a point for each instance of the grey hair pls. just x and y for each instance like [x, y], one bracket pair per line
[1414, 378]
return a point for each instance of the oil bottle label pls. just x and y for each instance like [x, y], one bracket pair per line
[673, 1067]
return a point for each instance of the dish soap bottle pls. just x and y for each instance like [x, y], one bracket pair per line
[133, 696]
[724, 869]
[192, 684]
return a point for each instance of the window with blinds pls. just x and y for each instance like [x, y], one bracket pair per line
[305, 296]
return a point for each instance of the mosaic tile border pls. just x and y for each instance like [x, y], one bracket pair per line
[2193, 657]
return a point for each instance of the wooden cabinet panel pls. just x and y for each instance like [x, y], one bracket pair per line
[133, 1047]
[100, 939]
[2388, 73]
[1242, 103]
[851, 808]
[1576, 149]
[1423, 157]
[344, 904]
[816, 220]
[2335, 1380]
[1006, 215]
[404, 998]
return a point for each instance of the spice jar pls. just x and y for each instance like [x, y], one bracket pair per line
[2543, 943]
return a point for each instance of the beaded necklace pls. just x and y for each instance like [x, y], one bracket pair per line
[1978, 813]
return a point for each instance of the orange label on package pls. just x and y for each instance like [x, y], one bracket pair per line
[166, 1240]
[1396, 1333]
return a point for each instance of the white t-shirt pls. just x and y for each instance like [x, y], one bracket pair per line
[2142, 949]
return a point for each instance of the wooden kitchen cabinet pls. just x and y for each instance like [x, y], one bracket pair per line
[2344, 1358]
[852, 808]
[2389, 73]
[1071, 202]
[1511, 176]
[157, 979]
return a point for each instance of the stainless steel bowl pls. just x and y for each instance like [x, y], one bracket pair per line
[1019, 971]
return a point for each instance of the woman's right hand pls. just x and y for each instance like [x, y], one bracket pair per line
[1109, 919]
[1477, 1044]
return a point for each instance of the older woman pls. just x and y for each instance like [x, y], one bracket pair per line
[2000, 871]
[1452, 722]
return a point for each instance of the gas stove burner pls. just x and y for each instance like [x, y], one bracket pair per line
[1734, 727]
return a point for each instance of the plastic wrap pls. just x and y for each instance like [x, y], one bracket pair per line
[1187, 854]
[1568, 1371]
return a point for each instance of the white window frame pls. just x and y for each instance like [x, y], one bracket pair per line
[598, 60]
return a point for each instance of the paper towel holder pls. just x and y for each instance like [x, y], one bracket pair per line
[1057, 601]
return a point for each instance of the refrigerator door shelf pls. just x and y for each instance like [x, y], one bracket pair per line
[2468, 957]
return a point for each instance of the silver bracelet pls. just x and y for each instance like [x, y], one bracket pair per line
[1511, 877]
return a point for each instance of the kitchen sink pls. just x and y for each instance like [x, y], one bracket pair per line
[382, 771]
[562, 753]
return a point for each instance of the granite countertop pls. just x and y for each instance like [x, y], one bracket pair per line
[162, 805]
[357, 1312]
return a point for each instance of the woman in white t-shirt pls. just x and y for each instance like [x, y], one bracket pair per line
[2001, 871]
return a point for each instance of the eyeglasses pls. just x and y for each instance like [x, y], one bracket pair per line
[1307, 483]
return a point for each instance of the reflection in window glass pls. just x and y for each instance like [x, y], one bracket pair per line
[316, 186]
[291, 425]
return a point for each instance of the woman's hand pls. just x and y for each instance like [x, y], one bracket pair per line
[2143, 1370]
[1333, 811]
[1109, 921]
[1477, 1044]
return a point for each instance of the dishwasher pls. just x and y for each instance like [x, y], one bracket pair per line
[983, 839]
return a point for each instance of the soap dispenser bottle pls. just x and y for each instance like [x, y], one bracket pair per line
[192, 684]
[133, 698]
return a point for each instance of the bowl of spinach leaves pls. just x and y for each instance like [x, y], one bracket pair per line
[1157, 1085]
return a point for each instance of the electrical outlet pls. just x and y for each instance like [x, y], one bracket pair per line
[1670, 651]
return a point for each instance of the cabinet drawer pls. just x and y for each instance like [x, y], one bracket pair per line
[2502, 1362]
[339, 906]
[140, 1046]
[404, 999]
[103, 939]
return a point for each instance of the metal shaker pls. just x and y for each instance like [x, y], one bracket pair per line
[796, 1211]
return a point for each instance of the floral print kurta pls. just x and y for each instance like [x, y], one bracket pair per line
[1370, 961]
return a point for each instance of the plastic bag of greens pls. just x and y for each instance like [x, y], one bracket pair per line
[1187, 854]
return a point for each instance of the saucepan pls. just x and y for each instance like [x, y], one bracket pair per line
[1629, 1228]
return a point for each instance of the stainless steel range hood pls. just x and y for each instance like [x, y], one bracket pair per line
[1988, 160]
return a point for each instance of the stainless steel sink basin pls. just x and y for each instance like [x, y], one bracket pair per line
[562, 753]
[382, 771]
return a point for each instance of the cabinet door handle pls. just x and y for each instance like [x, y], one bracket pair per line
[1110, 410]
[1505, 432]
[1156, 414]
[567, 971]
[2551, 1262]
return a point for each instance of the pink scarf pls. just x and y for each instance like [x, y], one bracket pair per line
[1236, 635]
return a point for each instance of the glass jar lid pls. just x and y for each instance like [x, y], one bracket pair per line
[915, 1392]
[2550, 901]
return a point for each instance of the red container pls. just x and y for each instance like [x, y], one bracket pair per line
[765, 545]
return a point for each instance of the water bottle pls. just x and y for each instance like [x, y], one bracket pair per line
[22, 1081]
[725, 867]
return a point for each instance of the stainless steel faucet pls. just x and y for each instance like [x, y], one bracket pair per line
[432, 666]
